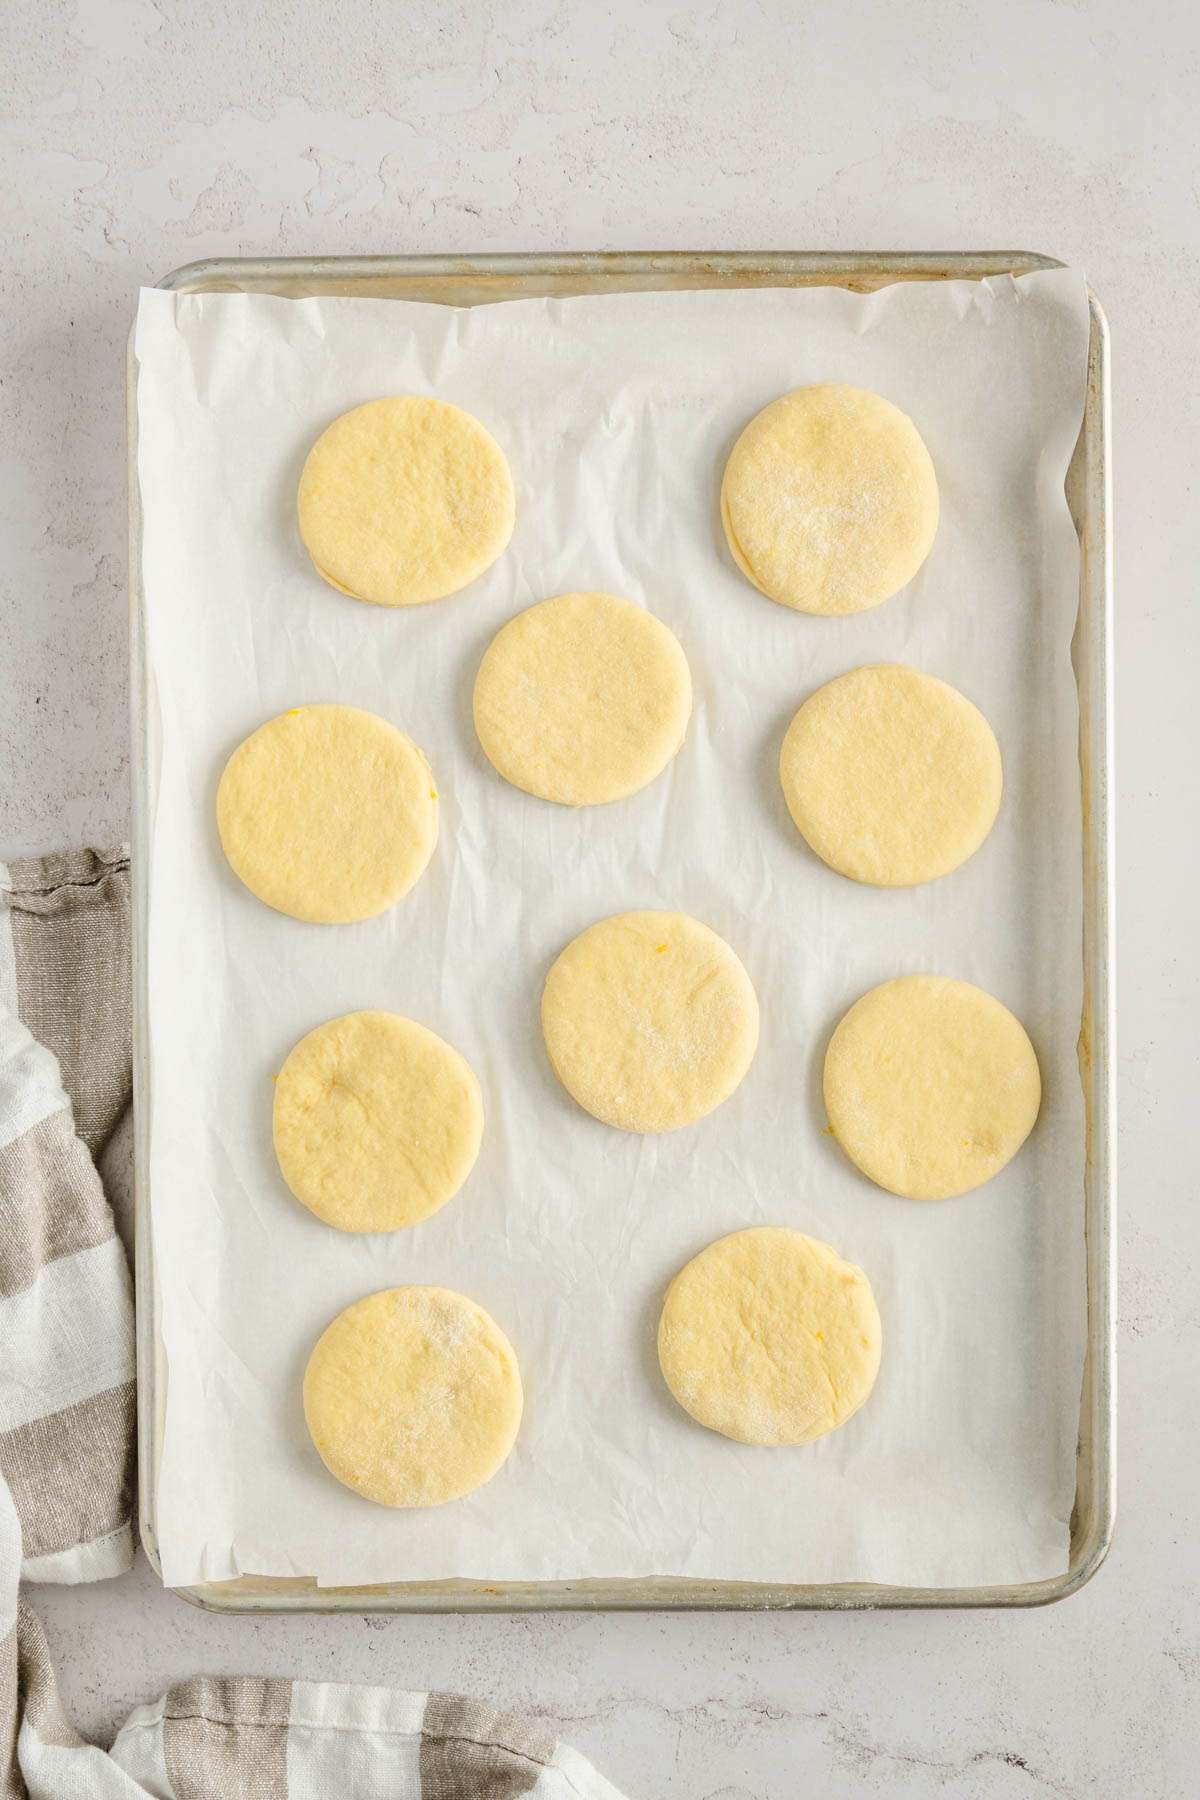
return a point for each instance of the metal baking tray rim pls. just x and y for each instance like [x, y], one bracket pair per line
[477, 279]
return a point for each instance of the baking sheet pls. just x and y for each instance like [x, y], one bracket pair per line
[616, 414]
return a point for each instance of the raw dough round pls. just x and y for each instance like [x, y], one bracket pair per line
[377, 1121]
[413, 1396]
[405, 500]
[582, 699]
[769, 1337]
[829, 501]
[931, 1086]
[327, 813]
[650, 1020]
[892, 776]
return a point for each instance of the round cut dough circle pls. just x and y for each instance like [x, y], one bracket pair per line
[582, 699]
[650, 1020]
[413, 1396]
[405, 500]
[769, 1337]
[829, 499]
[377, 1121]
[327, 813]
[891, 776]
[931, 1086]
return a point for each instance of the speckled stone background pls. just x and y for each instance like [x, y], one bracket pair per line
[137, 136]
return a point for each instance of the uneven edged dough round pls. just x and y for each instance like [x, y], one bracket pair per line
[769, 1337]
[931, 1086]
[891, 776]
[650, 1020]
[582, 699]
[829, 500]
[413, 1396]
[405, 500]
[377, 1121]
[327, 813]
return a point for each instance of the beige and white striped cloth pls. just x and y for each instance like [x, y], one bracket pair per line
[67, 1430]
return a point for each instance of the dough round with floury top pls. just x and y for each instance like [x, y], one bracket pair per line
[377, 1121]
[830, 501]
[413, 1396]
[327, 813]
[582, 699]
[405, 500]
[650, 1020]
[891, 776]
[931, 1086]
[769, 1337]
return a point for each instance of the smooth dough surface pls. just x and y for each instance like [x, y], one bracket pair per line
[377, 1121]
[413, 1396]
[650, 1020]
[830, 501]
[405, 500]
[583, 698]
[931, 1086]
[769, 1337]
[327, 813]
[891, 776]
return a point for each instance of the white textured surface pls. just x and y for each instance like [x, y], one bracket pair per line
[139, 137]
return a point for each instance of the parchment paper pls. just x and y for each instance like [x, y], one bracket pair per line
[617, 414]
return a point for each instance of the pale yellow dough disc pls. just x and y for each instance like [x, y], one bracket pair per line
[650, 1020]
[327, 813]
[769, 1337]
[931, 1086]
[582, 699]
[829, 501]
[405, 500]
[892, 776]
[413, 1396]
[377, 1121]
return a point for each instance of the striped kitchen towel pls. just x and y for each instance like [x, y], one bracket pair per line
[67, 1431]
[240, 1738]
[66, 1308]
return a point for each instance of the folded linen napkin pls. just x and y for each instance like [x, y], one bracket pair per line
[67, 1436]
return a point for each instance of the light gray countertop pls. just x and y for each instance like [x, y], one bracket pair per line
[139, 136]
